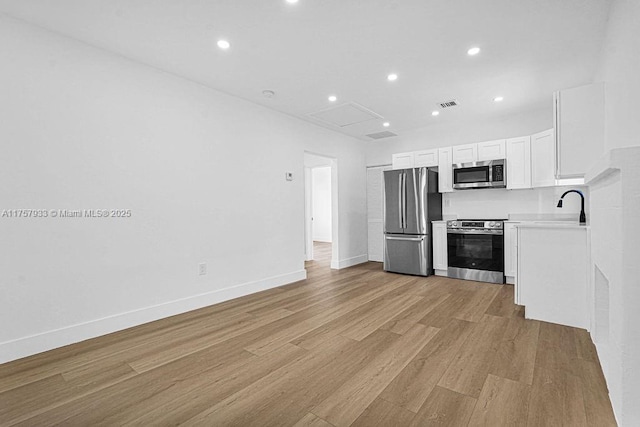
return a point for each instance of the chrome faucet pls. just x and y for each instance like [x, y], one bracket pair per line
[583, 217]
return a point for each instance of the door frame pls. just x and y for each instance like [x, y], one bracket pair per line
[312, 160]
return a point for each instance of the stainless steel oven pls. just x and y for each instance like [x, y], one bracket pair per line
[475, 250]
[485, 174]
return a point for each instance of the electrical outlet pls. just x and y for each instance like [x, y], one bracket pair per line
[447, 203]
[288, 176]
[202, 268]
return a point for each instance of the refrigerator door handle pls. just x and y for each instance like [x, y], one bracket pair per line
[404, 200]
[400, 217]
[407, 239]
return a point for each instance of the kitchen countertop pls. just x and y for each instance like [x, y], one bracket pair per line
[552, 224]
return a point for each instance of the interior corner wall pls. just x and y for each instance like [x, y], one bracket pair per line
[456, 133]
[202, 173]
[619, 69]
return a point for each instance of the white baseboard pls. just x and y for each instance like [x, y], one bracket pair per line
[443, 273]
[27, 346]
[322, 239]
[348, 262]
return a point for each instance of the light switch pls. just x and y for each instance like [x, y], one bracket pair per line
[289, 176]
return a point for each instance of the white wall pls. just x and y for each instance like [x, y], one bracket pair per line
[447, 134]
[619, 70]
[616, 209]
[202, 172]
[321, 191]
[500, 203]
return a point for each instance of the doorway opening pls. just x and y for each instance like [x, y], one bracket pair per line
[321, 210]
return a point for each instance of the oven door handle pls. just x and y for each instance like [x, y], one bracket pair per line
[485, 232]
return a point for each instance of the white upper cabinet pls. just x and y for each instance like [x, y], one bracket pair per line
[543, 159]
[465, 153]
[579, 128]
[403, 160]
[445, 170]
[492, 150]
[518, 152]
[426, 158]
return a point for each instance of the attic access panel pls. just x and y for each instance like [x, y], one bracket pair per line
[345, 115]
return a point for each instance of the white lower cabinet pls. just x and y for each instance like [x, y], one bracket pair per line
[553, 275]
[511, 253]
[440, 247]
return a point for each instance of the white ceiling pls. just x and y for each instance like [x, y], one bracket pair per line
[307, 51]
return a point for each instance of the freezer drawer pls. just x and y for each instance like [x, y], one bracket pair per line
[408, 254]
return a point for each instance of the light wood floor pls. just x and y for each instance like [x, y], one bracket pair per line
[352, 347]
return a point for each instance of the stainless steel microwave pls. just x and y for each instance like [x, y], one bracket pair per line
[485, 174]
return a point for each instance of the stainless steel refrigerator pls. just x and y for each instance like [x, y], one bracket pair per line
[411, 202]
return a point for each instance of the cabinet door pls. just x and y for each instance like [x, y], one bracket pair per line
[402, 160]
[579, 125]
[510, 249]
[426, 158]
[492, 150]
[519, 162]
[543, 159]
[465, 153]
[445, 170]
[440, 245]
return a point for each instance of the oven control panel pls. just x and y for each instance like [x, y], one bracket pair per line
[476, 224]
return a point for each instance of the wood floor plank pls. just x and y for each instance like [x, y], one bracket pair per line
[482, 296]
[417, 380]
[355, 345]
[444, 408]
[188, 399]
[468, 371]
[345, 405]
[516, 353]
[402, 322]
[152, 360]
[585, 348]
[311, 420]
[502, 402]
[383, 413]
[596, 398]
[502, 305]
[556, 399]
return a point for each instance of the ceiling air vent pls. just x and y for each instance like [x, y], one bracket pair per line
[447, 104]
[380, 135]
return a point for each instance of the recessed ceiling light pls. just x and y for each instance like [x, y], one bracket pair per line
[498, 99]
[392, 77]
[292, 1]
[333, 98]
[473, 51]
[386, 124]
[435, 113]
[223, 44]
